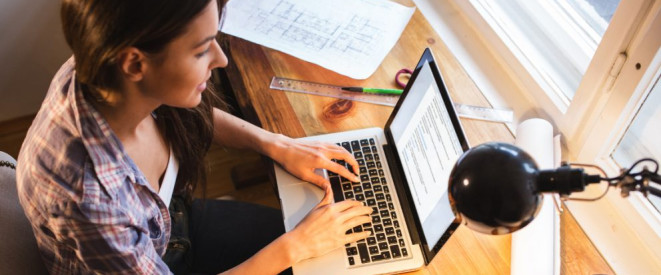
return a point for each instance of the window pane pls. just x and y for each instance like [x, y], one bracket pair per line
[597, 13]
[641, 140]
[555, 38]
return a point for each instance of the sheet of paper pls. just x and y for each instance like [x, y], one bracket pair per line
[350, 37]
[535, 248]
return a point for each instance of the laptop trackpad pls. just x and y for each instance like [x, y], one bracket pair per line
[301, 198]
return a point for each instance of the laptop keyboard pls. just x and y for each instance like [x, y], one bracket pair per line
[387, 241]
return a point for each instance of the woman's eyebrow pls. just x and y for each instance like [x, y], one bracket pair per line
[205, 40]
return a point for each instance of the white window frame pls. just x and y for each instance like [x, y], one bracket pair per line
[602, 112]
[594, 86]
[635, 220]
[573, 51]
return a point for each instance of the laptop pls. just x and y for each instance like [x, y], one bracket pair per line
[404, 178]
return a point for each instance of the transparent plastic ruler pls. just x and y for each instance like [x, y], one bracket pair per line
[299, 86]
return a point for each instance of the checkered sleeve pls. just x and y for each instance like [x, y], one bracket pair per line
[105, 240]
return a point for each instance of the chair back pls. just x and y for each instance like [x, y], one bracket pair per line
[19, 253]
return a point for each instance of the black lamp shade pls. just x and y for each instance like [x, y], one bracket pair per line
[494, 190]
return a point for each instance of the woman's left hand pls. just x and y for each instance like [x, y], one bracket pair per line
[301, 158]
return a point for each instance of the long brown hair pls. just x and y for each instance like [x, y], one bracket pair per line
[97, 30]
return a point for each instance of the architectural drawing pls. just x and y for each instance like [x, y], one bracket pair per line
[351, 37]
[296, 25]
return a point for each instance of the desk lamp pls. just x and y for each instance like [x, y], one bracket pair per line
[497, 188]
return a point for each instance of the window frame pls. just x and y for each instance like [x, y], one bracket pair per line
[595, 86]
[635, 217]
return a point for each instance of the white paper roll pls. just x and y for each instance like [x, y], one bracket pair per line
[534, 247]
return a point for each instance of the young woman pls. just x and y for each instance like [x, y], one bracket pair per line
[126, 123]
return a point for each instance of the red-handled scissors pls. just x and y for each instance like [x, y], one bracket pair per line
[403, 72]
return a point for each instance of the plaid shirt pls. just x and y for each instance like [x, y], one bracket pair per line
[91, 209]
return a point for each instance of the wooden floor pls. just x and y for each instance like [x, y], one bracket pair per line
[247, 168]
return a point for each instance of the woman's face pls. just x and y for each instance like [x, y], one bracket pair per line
[178, 75]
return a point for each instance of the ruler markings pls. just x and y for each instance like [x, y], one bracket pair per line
[300, 86]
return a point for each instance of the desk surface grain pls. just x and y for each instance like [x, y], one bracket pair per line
[252, 67]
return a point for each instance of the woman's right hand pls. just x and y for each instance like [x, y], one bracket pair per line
[324, 228]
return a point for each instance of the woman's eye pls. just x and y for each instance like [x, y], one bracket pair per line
[202, 53]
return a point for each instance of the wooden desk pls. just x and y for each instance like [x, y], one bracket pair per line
[252, 67]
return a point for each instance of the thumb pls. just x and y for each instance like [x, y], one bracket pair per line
[328, 197]
[317, 180]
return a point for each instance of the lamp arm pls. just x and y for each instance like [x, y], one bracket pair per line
[629, 181]
[652, 190]
[567, 179]
[654, 177]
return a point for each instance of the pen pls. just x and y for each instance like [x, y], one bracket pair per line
[373, 90]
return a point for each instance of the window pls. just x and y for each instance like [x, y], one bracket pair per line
[563, 56]
[556, 39]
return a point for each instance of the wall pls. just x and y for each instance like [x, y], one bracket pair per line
[32, 48]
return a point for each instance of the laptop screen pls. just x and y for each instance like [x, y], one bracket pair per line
[428, 140]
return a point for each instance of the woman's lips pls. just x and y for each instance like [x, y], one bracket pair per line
[202, 86]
